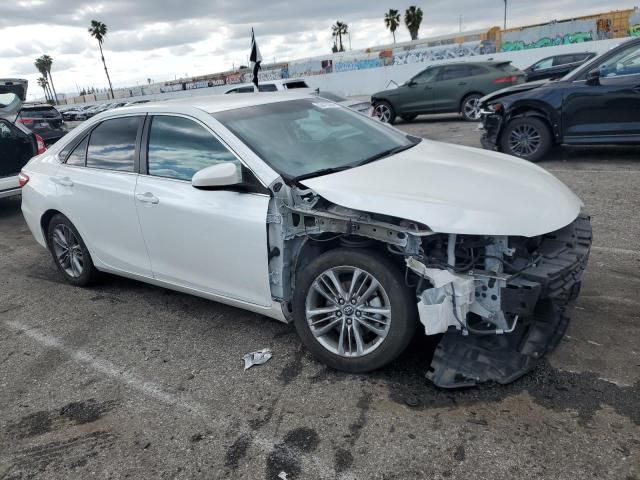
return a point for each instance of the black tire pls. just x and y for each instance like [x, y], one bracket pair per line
[466, 108]
[408, 118]
[538, 129]
[402, 302]
[383, 105]
[89, 272]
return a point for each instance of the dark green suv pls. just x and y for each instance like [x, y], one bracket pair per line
[445, 88]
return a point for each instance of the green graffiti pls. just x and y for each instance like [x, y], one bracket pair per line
[577, 37]
[634, 30]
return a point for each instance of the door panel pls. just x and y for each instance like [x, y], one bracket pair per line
[449, 87]
[606, 109]
[416, 96]
[212, 241]
[100, 204]
[99, 201]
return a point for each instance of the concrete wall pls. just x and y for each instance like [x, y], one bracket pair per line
[368, 81]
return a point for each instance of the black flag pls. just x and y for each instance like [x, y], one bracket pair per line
[255, 58]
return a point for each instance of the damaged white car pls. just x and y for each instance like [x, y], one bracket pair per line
[302, 210]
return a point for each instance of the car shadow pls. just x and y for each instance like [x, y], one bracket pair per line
[601, 153]
[10, 206]
[436, 118]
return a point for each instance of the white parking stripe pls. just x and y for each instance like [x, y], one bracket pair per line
[616, 250]
[310, 463]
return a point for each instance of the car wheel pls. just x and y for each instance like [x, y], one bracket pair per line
[408, 118]
[353, 311]
[69, 252]
[471, 107]
[528, 138]
[384, 111]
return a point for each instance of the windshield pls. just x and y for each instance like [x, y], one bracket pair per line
[309, 137]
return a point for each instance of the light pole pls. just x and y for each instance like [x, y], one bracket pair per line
[505, 14]
[460, 22]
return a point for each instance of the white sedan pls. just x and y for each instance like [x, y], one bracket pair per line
[302, 210]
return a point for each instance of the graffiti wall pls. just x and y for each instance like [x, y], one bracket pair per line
[553, 34]
[444, 52]
[634, 25]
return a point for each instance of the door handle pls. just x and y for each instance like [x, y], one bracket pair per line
[462, 83]
[64, 181]
[147, 197]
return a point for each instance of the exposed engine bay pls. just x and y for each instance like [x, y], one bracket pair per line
[497, 301]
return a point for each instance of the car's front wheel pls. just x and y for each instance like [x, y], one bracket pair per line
[69, 252]
[384, 111]
[528, 138]
[353, 310]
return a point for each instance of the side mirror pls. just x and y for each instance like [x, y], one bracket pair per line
[222, 174]
[593, 77]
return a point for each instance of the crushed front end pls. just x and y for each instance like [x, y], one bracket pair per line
[499, 301]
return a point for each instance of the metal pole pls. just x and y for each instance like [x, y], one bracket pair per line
[505, 14]
[460, 22]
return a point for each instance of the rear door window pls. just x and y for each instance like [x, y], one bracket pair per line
[78, 155]
[454, 72]
[180, 147]
[112, 145]
[267, 87]
[296, 84]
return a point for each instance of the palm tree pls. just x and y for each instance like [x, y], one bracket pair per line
[413, 19]
[43, 83]
[47, 62]
[98, 30]
[338, 30]
[392, 21]
[40, 65]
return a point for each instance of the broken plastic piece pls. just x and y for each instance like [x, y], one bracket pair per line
[256, 358]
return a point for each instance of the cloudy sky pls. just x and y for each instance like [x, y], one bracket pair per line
[164, 39]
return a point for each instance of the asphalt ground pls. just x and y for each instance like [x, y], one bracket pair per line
[127, 380]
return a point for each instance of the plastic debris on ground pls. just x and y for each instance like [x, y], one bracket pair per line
[256, 358]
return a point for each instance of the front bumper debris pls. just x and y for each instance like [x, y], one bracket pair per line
[492, 124]
[539, 294]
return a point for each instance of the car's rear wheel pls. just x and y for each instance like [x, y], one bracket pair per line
[353, 311]
[528, 138]
[408, 118]
[384, 111]
[69, 252]
[471, 107]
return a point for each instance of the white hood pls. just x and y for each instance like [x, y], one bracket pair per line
[454, 189]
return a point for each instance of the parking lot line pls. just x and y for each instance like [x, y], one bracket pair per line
[152, 390]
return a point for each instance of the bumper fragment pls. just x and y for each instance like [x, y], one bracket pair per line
[539, 294]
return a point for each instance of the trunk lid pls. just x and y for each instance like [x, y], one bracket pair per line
[13, 93]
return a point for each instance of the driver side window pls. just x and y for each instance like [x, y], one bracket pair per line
[180, 147]
[626, 62]
[426, 76]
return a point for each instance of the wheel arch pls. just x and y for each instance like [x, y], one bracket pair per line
[526, 110]
[45, 219]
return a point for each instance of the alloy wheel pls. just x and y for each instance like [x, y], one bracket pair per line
[348, 311]
[383, 112]
[471, 108]
[524, 140]
[68, 251]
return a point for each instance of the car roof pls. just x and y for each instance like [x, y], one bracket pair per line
[220, 103]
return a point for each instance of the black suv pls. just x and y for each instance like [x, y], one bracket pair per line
[557, 66]
[598, 103]
[44, 120]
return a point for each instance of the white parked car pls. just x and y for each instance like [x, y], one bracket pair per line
[269, 86]
[302, 210]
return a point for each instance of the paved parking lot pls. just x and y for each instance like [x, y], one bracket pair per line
[126, 380]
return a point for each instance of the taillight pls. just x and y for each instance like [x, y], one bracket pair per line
[25, 121]
[23, 179]
[41, 146]
[509, 79]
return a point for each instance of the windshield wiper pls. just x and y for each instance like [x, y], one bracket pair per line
[387, 153]
[324, 171]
